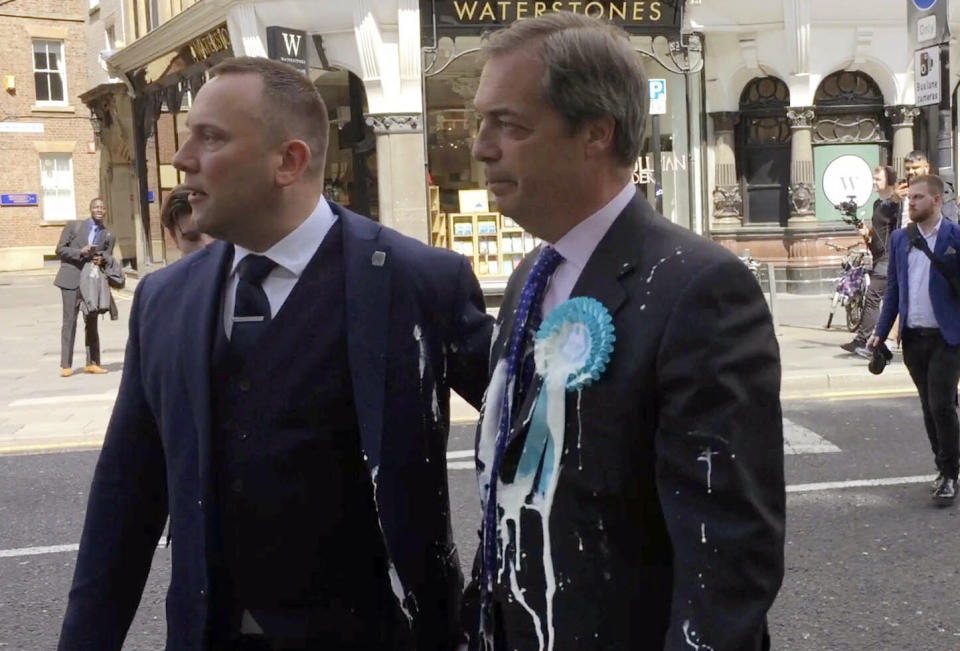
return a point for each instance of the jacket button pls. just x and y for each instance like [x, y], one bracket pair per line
[200, 503]
[243, 436]
[203, 593]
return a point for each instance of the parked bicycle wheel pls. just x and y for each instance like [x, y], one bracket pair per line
[854, 312]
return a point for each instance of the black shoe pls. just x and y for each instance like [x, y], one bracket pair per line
[851, 347]
[935, 486]
[947, 492]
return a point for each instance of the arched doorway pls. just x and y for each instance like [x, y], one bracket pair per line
[850, 137]
[763, 147]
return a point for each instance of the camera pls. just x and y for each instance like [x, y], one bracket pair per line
[848, 211]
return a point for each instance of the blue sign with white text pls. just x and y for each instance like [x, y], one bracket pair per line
[923, 5]
[18, 199]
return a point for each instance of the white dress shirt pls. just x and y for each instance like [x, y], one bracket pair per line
[578, 245]
[292, 254]
[919, 308]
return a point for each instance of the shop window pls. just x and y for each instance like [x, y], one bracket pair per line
[49, 72]
[763, 151]
[56, 182]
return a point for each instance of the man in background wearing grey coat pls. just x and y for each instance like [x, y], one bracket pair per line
[81, 242]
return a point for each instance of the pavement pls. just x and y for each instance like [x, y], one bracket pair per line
[40, 411]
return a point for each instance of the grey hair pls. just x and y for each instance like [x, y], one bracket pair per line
[591, 70]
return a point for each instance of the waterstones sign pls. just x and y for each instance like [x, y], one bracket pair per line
[473, 17]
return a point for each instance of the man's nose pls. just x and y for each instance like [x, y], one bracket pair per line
[483, 148]
[183, 160]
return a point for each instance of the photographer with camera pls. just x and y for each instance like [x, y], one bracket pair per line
[916, 164]
[876, 235]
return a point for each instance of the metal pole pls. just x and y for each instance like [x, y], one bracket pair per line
[772, 283]
[945, 123]
[657, 165]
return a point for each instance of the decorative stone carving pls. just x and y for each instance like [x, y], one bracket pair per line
[901, 116]
[866, 128]
[802, 198]
[398, 123]
[801, 118]
[727, 201]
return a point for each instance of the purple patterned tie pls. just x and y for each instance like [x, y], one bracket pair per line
[529, 313]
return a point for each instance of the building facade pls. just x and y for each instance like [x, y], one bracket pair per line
[48, 161]
[766, 112]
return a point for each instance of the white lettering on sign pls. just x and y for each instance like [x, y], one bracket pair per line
[927, 76]
[658, 97]
[291, 42]
[846, 177]
[927, 28]
[21, 127]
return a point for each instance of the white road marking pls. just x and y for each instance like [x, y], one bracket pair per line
[859, 483]
[35, 551]
[106, 396]
[797, 439]
[796, 488]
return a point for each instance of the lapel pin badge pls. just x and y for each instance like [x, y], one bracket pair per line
[378, 258]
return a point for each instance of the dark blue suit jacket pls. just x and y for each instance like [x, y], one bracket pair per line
[946, 306]
[416, 326]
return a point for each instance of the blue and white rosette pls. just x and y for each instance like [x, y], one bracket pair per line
[575, 342]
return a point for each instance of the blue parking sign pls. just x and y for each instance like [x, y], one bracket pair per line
[658, 97]
[924, 5]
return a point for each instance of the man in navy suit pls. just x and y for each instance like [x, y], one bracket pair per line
[929, 309]
[285, 400]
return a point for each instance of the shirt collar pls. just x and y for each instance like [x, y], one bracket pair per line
[578, 244]
[936, 229]
[295, 251]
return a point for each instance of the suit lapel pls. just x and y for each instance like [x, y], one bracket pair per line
[367, 268]
[201, 315]
[614, 258]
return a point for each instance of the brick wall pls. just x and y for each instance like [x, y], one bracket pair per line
[20, 152]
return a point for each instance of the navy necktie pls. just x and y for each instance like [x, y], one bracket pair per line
[520, 367]
[251, 313]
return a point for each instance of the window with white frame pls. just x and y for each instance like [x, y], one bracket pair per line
[49, 72]
[56, 181]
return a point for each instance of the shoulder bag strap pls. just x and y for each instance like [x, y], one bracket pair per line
[919, 241]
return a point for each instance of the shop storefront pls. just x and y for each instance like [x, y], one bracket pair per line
[463, 215]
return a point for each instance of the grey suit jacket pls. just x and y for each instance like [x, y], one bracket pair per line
[72, 240]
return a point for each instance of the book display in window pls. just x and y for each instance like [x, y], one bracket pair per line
[494, 244]
[438, 219]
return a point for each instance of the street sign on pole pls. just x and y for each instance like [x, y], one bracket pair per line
[927, 76]
[927, 23]
[658, 97]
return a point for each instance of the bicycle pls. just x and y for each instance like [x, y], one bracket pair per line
[851, 286]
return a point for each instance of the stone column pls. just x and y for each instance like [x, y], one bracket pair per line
[401, 173]
[901, 117]
[802, 182]
[727, 193]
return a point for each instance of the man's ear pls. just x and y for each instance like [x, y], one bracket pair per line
[599, 134]
[294, 159]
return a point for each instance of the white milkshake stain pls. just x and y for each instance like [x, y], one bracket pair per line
[690, 637]
[418, 335]
[399, 593]
[660, 262]
[703, 533]
[707, 457]
[579, 433]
